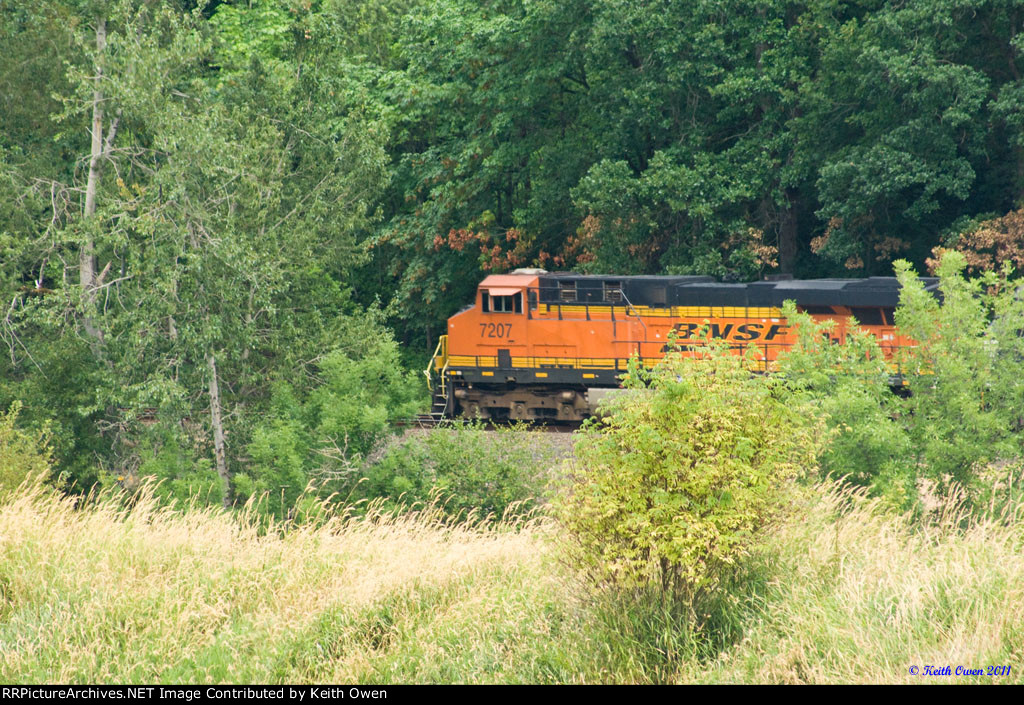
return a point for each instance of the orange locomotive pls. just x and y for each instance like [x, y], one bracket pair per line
[549, 346]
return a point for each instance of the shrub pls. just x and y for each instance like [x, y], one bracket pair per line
[360, 397]
[671, 489]
[847, 385]
[277, 474]
[179, 473]
[965, 381]
[964, 410]
[471, 467]
[319, 439]
[23, 455]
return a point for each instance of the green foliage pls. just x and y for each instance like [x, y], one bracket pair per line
[964, 408]
[958, 418]
[470, 468]
[489, 471]
[319, 436]
[278, 468]
[228, 213]
[181, 474]
[257, 29]
[673, 487]
[847, 384]
[58, 384]
[362, 396]
[24, 456]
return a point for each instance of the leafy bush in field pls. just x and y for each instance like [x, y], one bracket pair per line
[965, 377]
[23, 455]
[471, 467]
[279, 468]
[179, 472]
[671, 489]
[324, 436]
[847, 385]
[361, 396]
[967, 398]
[59, 392]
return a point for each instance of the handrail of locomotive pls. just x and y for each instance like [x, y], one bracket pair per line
[584, 363]
[638, 316]
[441, 351]
[630, 308]
[444, 383]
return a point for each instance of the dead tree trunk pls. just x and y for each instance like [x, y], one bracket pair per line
[218, 430]
[99, 151]
[86, 257]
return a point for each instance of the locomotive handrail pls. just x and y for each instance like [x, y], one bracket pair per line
[438, 361]
[765, 350]
[444, 382]
[629, 305]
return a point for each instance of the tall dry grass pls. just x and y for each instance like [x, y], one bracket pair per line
[843, 591]
[147, 593]
[860, 595]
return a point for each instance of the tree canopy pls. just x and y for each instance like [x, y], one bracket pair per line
[213, 214]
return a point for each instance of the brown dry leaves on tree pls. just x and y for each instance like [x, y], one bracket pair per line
[989, 244]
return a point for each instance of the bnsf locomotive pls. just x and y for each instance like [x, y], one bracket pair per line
[542, 346]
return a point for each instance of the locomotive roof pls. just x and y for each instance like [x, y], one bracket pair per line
[653, 290]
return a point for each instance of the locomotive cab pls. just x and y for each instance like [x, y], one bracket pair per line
[500, 362]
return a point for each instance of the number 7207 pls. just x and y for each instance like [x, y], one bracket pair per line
[495, 330]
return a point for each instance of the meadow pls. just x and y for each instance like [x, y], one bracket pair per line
[841, 591]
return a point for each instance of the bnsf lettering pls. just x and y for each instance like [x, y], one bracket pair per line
[745, 333]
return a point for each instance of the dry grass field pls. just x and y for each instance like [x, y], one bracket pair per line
[843, 592]
[860, 595]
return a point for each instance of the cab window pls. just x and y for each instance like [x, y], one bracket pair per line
[502, 304]
[507, 304]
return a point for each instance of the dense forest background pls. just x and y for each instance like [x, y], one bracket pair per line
[218, 220]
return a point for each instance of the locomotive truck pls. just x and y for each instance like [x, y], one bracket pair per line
[540, 346]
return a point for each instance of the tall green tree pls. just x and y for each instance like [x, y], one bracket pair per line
[209, 255]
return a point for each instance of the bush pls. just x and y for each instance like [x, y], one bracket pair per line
[361, 396]
[179, 473]
[471, 467]
[847, 385]
[23, 455]
[672, 488]
[277, 475]
[962, 417]
[320, 439]
[964, 410]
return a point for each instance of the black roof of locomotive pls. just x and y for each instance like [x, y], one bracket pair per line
[651, 290]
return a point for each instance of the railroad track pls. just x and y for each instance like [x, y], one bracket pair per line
[431, 421]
